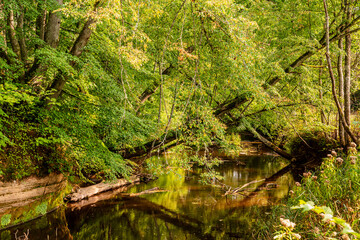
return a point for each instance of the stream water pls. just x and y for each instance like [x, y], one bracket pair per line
[187, 210]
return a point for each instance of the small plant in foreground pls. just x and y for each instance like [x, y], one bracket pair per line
[333, 224]
[286, 230]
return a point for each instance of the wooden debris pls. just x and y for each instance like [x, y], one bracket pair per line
[148, 191]
[86, 192]
[238, 189]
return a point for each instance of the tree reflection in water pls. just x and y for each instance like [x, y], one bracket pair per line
[188, 210]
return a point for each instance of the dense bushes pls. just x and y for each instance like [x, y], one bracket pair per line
[335, 186]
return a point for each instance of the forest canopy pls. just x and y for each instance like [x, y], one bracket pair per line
[87, 85]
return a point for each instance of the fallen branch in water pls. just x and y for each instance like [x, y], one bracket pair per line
[236, 190]
[148, 191]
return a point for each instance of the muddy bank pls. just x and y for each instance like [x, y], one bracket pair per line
[21, 193]
[30, 198]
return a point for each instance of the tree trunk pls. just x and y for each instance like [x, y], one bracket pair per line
[3, 51]
[52, 33]
[331, 73]
[347, 83]
[149, 146]
[49, 33]
[12, 35]
[76, 50]
[341, 90]
[41, 22]
[228, 106]
[21, 36]
[270, 144]
[322, 113]
[82, 39]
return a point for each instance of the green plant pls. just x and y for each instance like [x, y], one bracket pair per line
[5, 220]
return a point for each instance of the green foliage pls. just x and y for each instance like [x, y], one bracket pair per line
[22, 151]
[309, 146]
[335, 182]
[149, 68]
[41, 208]
[327, 217]
[5, 220]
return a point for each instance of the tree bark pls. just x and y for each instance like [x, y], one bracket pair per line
[52, 32]
[82, 39]
[12, 34]
[270, 144]
[328, 59]
[322, 113]
[149, 146]
[87, 192]
[347, 83]
[341, 89]
[21, 36]
[49, 32]
[41, 22]
[76, 50]
[230, 105]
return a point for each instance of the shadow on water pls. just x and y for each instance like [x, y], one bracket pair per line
[188, 210]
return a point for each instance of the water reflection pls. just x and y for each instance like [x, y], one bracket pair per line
[188, 210]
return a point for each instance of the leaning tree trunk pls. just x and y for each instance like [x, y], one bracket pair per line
[59, 82]
[270, 145]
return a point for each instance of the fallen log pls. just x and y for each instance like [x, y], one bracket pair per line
[238, 189]
[91, 201]
[86, 192]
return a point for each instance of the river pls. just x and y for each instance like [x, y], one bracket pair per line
[186, 209]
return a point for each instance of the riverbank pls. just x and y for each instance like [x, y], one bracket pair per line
[187, 209]
[30, 198]
[328, 202]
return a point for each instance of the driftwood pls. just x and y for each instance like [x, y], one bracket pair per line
[148, 191]
[267, 183]
[91, 201]
[242, 188]
[109, 195]
[87, 192]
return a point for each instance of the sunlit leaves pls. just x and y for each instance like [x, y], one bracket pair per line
[327, 215]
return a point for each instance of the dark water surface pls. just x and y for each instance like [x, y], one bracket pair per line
[188, 210]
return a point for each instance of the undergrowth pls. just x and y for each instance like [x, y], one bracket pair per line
[334, 187]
